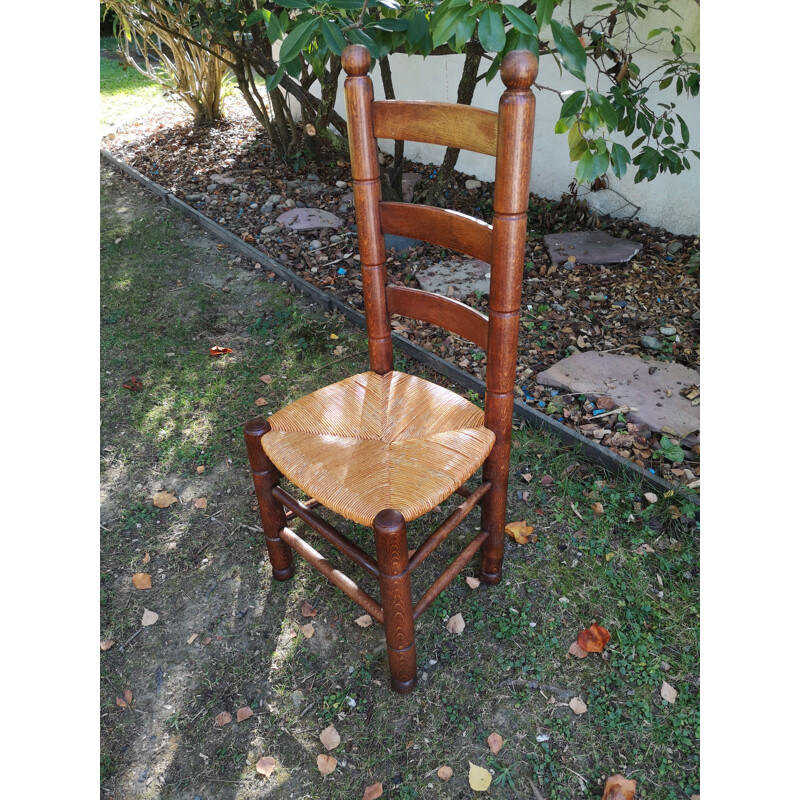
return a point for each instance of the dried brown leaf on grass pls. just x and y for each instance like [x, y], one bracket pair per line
[330, 738]
[218, 350]
[668, 692]
[146, 558]
[142, 580]
[456, 624]
[373, 791]
[364, 621]
[265, 766]
[308, 610]
[245, 712]
[594, 638]
[266, 378]
[201, 502]
[164, 499]
[260, 401]
[326, 764]
[473, 583]
[576, 650]
[519, 531]
[495, 742]
[223, 718]
[149, 618]
[125, 699]
[201, 469]
[106, 644]
[578, 706]
[598, 509]
[191, 638]
[307, 630]
[445, 773]
[480, 779]
[651, 497]
[619, 788]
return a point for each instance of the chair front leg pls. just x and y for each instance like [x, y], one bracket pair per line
[493, 516]
[395, 581]
[273, 515]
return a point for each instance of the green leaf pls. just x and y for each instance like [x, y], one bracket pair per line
[605, 109]
[357, 36]
[494, 68]
[521, 21]
[389, 24]
[684, 130]
[445, 25]
[393, 4]
[574, 135]
[333, 37]
[418, 28]
[271, 81]
[674, 452]
[573, 104]
[570, 49]
[544, 12]
[563, 125]
[293, 3]
[599, 165]
[491, 33]
[583, 172]
[579, 149]
[297, 38]
[620, 158]
[256, 16]
[464, 31]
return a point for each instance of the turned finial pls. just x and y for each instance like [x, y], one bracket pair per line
[355, 60]
[519, 68]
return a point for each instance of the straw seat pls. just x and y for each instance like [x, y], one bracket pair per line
[372, 442]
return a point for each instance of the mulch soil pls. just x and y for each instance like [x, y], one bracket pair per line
[565, 309]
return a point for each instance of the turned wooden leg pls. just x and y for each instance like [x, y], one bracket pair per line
[395, 580]
[273, 516]
[493, 517]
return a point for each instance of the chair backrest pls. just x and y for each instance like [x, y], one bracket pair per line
[508, 136]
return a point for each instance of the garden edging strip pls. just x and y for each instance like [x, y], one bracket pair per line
[611, 461]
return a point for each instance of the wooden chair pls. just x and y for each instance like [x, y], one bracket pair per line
[383, 448]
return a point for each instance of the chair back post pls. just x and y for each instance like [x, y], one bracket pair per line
[512, 191]
[367, 196]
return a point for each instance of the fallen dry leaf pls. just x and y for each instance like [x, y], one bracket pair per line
[149, 618]
[106, 644]
[578, 706]
[223, 718]
[146, 558]
[473, 583]
[134, 384]
[527, 477]
[308, 610]
[519, 531]
[445, 773]
[594, 638]
[330, 738]
[338, 350]
[456, 623]
[619, 788]
[546, 480]
[142, 580]
[201, 502]
[598, 509]
[326, 764]
[265, 766]
[651, 497]
[576, 650]
[261, 401]
[217, 350]
[495, 742]
[373, 791]
[164, 499]
[266, 378]
[364, 621]
[201, 469]
[668, 692]
[191, 638]
[644, 548]
[124, 700]
[245, 712]
[334, 336]
[480, 779]
[307, 630]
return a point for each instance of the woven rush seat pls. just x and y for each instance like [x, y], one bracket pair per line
[372, 442]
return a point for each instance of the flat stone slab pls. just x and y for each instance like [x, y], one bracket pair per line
[629, 381]
[590, 247]
[410, 180]
[400, 243]
[455, 278]
[309, 219]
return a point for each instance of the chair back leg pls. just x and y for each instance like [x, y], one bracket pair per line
[273, 515]
[391, 547]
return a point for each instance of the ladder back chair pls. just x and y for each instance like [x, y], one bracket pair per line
[383, 448]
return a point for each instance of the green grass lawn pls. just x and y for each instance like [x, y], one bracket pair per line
[168, 295]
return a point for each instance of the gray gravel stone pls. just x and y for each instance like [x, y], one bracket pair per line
[650, 342]
[193, 198]
[667, 330]
[341, 184]
[270, 229]
[315, 244]
[274, 198]
[267, 208]
[472, 184]
[243, 198]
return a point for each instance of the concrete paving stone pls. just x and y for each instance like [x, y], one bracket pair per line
[309, 219]
[590, 247]
[463, 277]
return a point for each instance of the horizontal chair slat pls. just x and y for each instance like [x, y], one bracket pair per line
[447, 124]
[445, 312]
[450, 229]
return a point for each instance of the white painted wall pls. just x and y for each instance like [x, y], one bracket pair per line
[670, 201]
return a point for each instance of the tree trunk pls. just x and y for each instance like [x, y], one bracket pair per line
[392, 182]
[466, 89]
